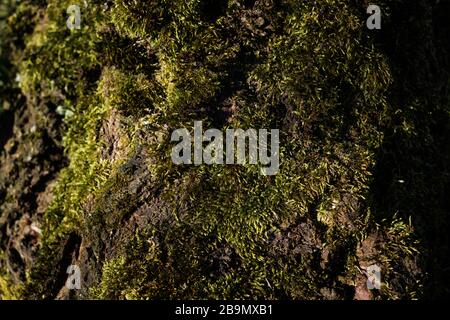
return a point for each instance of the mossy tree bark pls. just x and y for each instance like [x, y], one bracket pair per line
[86, 176]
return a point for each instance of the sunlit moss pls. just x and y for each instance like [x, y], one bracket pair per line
[307, 68]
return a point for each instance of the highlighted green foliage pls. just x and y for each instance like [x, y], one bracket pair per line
[354, 122]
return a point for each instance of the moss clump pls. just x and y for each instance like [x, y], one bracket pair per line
[141, 227]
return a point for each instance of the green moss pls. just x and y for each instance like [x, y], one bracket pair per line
[310, 69]
[9, 290]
